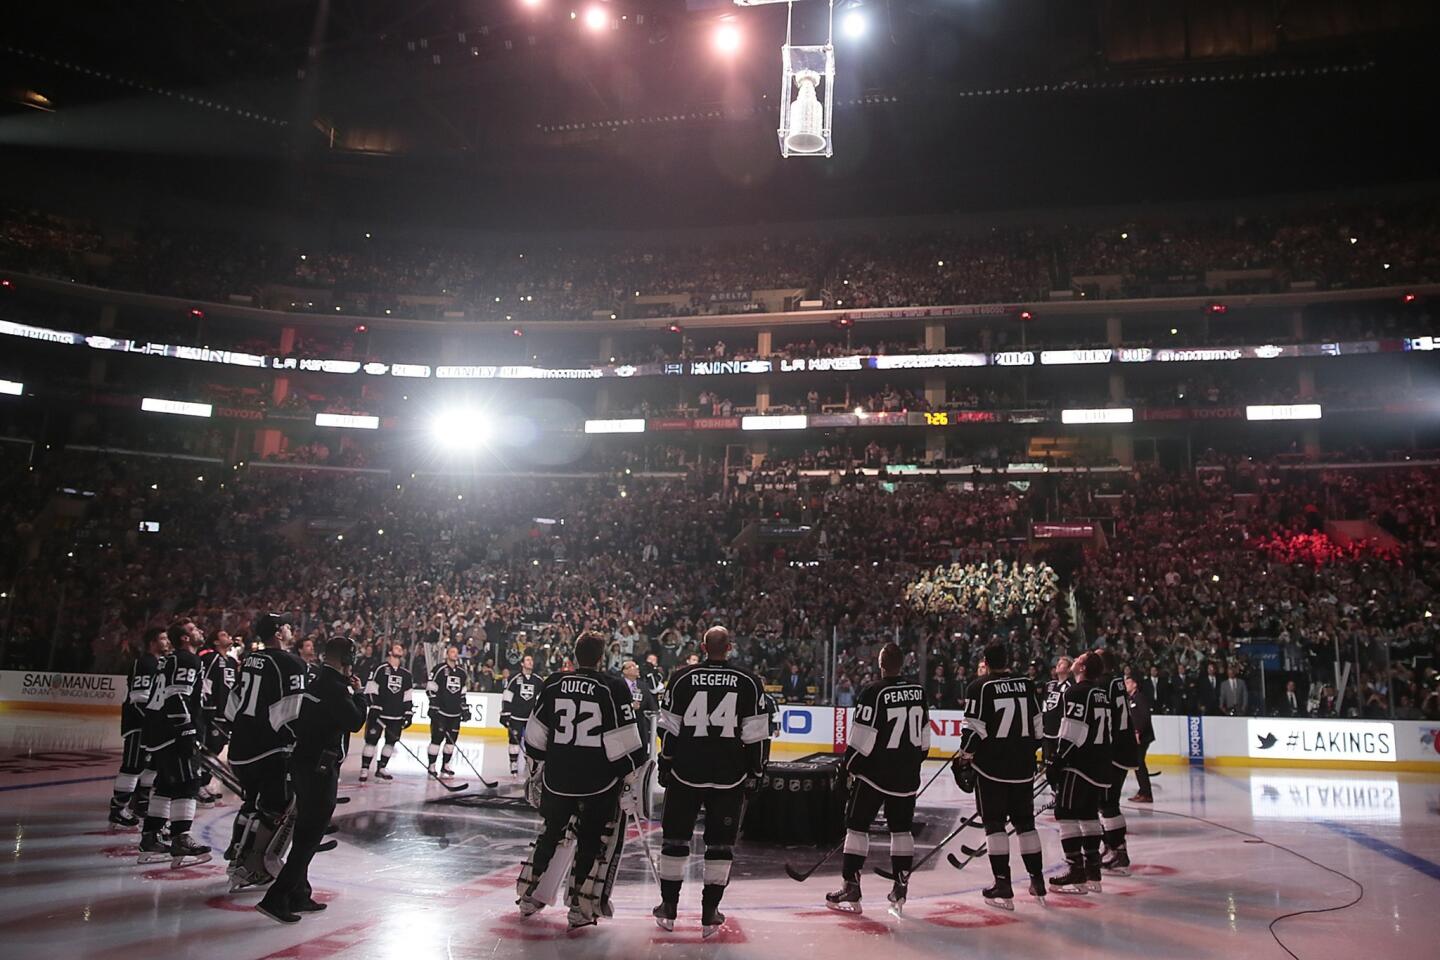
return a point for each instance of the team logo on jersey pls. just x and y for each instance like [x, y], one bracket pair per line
[452, 684]
[527, 691]
[393, 684]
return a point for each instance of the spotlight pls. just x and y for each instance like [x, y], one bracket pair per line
[673, 328]
[727, 38]
[517, 332]
[596, 18]
[1218, 308]
[1026, 315]
[1408, 298]
[854, 25]
[461, 428]
[197, 313]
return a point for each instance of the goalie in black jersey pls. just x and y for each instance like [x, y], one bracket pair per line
[1084, 758]
[1000, 732]
[587, 751]
[1124, 757]
[266, 701]
[714, 725]
[889, 740]
[391, 689]
[131, 795]
[448, 708]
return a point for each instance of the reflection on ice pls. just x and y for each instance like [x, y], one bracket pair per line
[1276, 796]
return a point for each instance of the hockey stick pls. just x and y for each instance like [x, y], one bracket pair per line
[971, 852]
[453, 788]
[800, 876]
[221, 771]
[980, 851]
[489, 784]
[967, 822]
[645, 843]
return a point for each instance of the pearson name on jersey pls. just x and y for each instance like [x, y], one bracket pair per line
[890, 737]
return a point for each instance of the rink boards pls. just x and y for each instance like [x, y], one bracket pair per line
[1394, 745]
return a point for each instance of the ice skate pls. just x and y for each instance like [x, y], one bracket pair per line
[1000, 894]
[899, 890]
[711, 921]
[185, 852]
[846, 899]
[1071, 881]
[153, 849]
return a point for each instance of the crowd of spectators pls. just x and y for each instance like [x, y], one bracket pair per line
[1329, 246]
[811, 575]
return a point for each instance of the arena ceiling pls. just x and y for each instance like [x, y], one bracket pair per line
[514, 109]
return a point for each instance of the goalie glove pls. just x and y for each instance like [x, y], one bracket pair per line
[535, 784]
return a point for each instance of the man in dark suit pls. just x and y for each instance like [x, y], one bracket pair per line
[1144, 736]
[1210, 691]
[1292, 704]
[793, 686]
[1157, 690]
[1184, 694]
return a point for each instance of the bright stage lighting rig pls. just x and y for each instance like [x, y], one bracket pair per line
[807, 88]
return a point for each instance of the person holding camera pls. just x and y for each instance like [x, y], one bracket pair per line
[334, 707]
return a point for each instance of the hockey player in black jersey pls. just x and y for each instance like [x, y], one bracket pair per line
[516, 703]
[1124, 757]
[390, 689]
[265, 702]
[889, 740]
[131, 796]
[714, 726]
[1084, 758]
[217, 678]
[171, 737]
[999, 734]
[448, 708]
[1055, 688]
[585, 744]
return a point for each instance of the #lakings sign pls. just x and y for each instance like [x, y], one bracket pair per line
[1283, 739]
